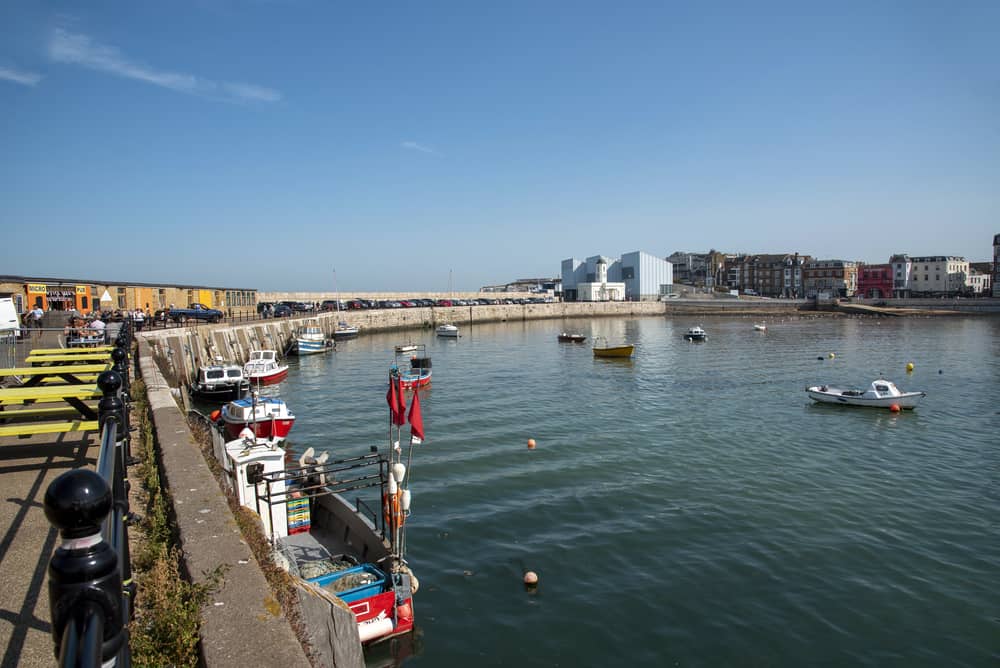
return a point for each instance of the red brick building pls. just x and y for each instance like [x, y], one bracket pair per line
[875, 281]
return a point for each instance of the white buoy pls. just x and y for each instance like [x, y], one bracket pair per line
[404, 502]
[392, 486]
[399, 471]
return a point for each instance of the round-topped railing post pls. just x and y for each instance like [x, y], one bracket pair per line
[85, 586]
[110, 406]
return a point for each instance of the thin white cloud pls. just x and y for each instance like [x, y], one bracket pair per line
[19, 76]
[77, 49]
[414, 146]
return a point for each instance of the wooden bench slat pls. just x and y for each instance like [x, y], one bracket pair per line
[71, 351]
[39, 412]
[35, 428]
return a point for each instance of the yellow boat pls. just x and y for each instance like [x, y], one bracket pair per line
[613, 351]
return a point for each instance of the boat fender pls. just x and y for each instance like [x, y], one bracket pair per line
[374, 628]
[215, 415]
[414, 583]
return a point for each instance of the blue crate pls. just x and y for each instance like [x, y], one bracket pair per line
[357, 593]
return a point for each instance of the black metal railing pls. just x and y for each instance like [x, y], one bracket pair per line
[90, 575]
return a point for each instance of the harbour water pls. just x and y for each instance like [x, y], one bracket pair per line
[690, 507]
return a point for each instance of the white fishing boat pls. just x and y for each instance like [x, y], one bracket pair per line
[881, 394]
[221, 380]
[696, 333]
[447, 330]
[337, 527]
[345, 331]
[310, 339]
[263, 368]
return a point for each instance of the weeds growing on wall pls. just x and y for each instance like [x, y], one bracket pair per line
[167, 607]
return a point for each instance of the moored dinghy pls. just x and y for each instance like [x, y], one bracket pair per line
[696, 333]
[621, 352]
[880, 394]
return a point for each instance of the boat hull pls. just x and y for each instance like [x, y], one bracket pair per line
[614, 351]
[312, 346]
[410, 380]
[907, 400]
[696, 337]
[223, 392]
[572, 338]
[345, 334]
[268, 378]
[277, 428]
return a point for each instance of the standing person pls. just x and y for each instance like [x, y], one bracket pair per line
[35, 316]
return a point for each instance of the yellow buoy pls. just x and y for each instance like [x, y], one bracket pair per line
[909, 367]
[832, 355]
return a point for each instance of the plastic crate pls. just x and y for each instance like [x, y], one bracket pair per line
[355, 593]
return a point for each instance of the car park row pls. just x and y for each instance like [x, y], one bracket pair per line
[288, 308]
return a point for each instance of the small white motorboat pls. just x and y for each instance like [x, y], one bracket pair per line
[696, 333]
[406, 348]
[881, 394]
[760, 327]
[448, 330]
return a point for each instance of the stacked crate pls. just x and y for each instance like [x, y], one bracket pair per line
[298, 515]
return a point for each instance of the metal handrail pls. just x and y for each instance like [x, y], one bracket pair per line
[90, 574]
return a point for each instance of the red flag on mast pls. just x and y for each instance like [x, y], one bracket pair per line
[400, 402]
[395, 399]
[416, 420]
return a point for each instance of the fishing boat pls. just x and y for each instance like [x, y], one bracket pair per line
[310, 339]
[266, 417]
[696, 333]
[606, 350]
[571, 338]
[263, 368]
[760, 327]
[345, 331]
[220, 381]
[416, 370]
[448, 330]
[319, 516]
[880, 394]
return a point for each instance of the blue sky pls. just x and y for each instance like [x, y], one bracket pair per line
[387, 146]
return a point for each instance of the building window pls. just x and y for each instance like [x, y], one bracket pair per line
[121, 298]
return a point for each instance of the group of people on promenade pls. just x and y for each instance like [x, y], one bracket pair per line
[81, 331]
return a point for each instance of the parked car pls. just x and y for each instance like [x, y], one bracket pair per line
[333, 305]
[282, 311]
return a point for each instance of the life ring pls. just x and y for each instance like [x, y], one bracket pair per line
[392, 509]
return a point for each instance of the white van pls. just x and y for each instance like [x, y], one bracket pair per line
[10, 323]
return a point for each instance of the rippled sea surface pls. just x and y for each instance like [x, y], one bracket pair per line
[690, 507]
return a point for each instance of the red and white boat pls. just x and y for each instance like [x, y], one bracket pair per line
[419, 373]
[267, 417]
[263, 368]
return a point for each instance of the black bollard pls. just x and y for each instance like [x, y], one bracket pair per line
[110, 405]
[85, 586]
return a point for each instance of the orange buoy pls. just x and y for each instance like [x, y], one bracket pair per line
[530, 578]
[214, 415]
[531, 444]
[894, 408]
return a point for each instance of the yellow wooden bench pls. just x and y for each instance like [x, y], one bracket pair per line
[37, 375]
[24, 413]
[35, 428]
[69, 358]
[70, 394]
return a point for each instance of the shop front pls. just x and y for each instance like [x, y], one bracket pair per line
[59, 297]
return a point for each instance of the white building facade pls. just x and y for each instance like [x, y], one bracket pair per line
[635, 276]
[938, 275]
